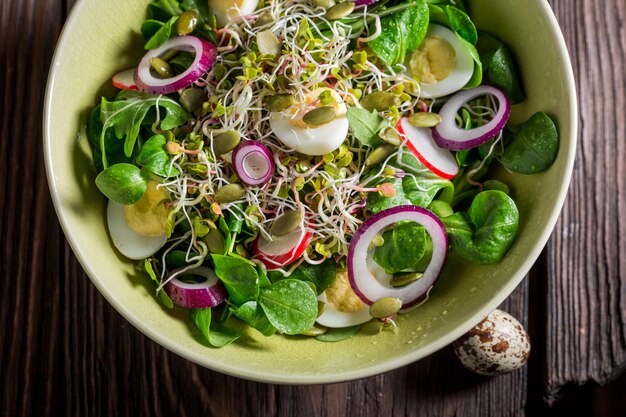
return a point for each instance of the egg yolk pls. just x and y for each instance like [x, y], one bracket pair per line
[148, 216]
[433, 61]
[340, 295]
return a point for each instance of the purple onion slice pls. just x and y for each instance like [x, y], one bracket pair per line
[449, 136]
[208, 293]
[206, 55]
[369, 281]
[253, 163]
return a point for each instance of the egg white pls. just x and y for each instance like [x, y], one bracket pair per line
[130, 244]
[459, 76]
[313, 141]
[227, 11]
[333, 318]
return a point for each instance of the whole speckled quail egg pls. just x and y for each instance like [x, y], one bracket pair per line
[497, 345]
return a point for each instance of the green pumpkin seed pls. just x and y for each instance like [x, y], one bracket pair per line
[385, 307]
[161, 67]
[225, 142]
[315, 331]
[339, 11]
[392, 137]
[327, 4]
[215, 241]
[268, 43]
[284, 83]
[287, 223]
[425, 119]
[264, 18]
[187, 22]
[192, 99]
[379, 101]
[319, 116]
[400, 280]
[379, 154]
[229, 193]
[279, 102]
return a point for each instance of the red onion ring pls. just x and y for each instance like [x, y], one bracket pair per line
[253, 163]
[206, 55]
[209, 293]
[370, 288]
[449, 136]
[362, 3]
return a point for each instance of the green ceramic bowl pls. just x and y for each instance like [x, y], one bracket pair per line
[98, 39]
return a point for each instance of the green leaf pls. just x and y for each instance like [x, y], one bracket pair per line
[162, 35]
[477, 75]
[165, 299]
[162, 8]
[401, 33]
[290, 305]
[149, 27]
[202, 319]
[338, 334]
[154, 158]
[220, 335]
[484, 234]
[239, 278]
[321, 276]
[252, 314]
[534, 147]
[122, 183]
[499, 66]
[365, 125]
[177, 259]
[403, 247]
[461, 24]
[126, 116]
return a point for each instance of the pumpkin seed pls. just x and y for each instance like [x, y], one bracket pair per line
[215, 241]
[379, 101]
[390, 136]
[327, 4]
[161, 67]
[321, 307]
[187, 22]
[225, 142]
[286, 223]
[268, 43]
[425, 119]
[229, 193]
[264, 18]
[400, 280]
[319, 116]
[284, 83]
[279, 102]
[379, 154]
[316, 330]
[192, 99]
[339, 11]
[385, 307]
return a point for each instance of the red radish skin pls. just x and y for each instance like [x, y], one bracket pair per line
[279, 260]
[439, 157]
[124, 80]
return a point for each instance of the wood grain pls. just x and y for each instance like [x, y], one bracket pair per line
[65, 351]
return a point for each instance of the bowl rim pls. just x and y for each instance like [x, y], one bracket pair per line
[305, 379]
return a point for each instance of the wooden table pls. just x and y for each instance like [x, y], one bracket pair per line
[65, 351]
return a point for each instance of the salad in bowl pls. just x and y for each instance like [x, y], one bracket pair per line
[306, 167]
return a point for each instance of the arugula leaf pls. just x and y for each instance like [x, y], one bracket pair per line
[239, 278]
[122, 183]
[365, 125]
[216, 334]
[484, 234]
[252, 314]
[403, 247]
[162, 35]
[534, 147]
[338, 334]
[125, 116]
[154, 158]
[290, 305]
[402, 32]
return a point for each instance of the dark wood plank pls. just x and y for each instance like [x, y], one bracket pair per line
[586, 291]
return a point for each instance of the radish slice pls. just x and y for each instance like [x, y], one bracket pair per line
[206, 55]
[282, 250]
[449, 136]
[124, 80]
[253, 163]
[209, 293]
[369, 281]
[420, 142]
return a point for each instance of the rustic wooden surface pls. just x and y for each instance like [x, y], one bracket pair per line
[65, 351]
